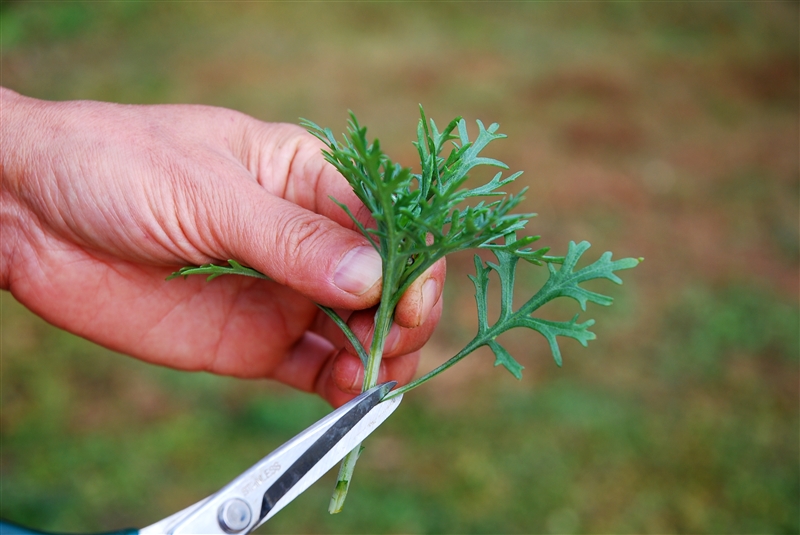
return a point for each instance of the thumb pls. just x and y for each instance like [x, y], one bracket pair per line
[308, 252]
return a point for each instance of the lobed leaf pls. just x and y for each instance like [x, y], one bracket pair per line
[565, 282]
[551, 329]
[562, 282]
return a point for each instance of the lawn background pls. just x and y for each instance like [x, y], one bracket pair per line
[664, 130]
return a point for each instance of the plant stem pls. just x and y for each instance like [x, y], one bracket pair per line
[383, 322]
[343, 481]
[349, 462]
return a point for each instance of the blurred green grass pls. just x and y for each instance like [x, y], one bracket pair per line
[663, 130]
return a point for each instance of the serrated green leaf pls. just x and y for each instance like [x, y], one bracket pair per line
[565, 282]
[423, 216]
[562, 282]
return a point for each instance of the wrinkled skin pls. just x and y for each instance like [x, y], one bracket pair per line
[101, 202]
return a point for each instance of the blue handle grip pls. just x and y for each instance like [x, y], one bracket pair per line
[9, 528]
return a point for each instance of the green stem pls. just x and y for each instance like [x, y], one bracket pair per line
[383, 322]
[343, 481]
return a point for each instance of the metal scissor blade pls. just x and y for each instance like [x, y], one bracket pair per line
[281, 476]
[323, 455]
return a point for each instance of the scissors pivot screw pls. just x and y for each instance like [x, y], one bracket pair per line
[234, 515]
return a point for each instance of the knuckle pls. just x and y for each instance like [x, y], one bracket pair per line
[302, 237]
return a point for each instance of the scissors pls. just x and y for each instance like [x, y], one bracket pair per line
[265, 488]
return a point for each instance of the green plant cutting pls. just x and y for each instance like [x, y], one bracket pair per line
[422, 217]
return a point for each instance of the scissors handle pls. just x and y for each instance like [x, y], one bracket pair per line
[9, 528]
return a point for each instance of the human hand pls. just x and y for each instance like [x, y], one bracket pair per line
[101, 202]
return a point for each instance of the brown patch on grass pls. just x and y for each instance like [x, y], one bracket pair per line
[771, 80]
[600, 85]
[586, 184]
[592, 108]
[609, 133]
[422, 79]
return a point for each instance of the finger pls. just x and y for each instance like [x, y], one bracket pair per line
[328, 390]
[347, 373]
[305, 362]
[317, 185]
[419, 300]
[400, 341]
[311, 254]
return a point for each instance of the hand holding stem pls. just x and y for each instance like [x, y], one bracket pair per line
[100, 202]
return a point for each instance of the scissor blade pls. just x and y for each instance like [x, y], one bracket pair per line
[324, 455]
[296, 464]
